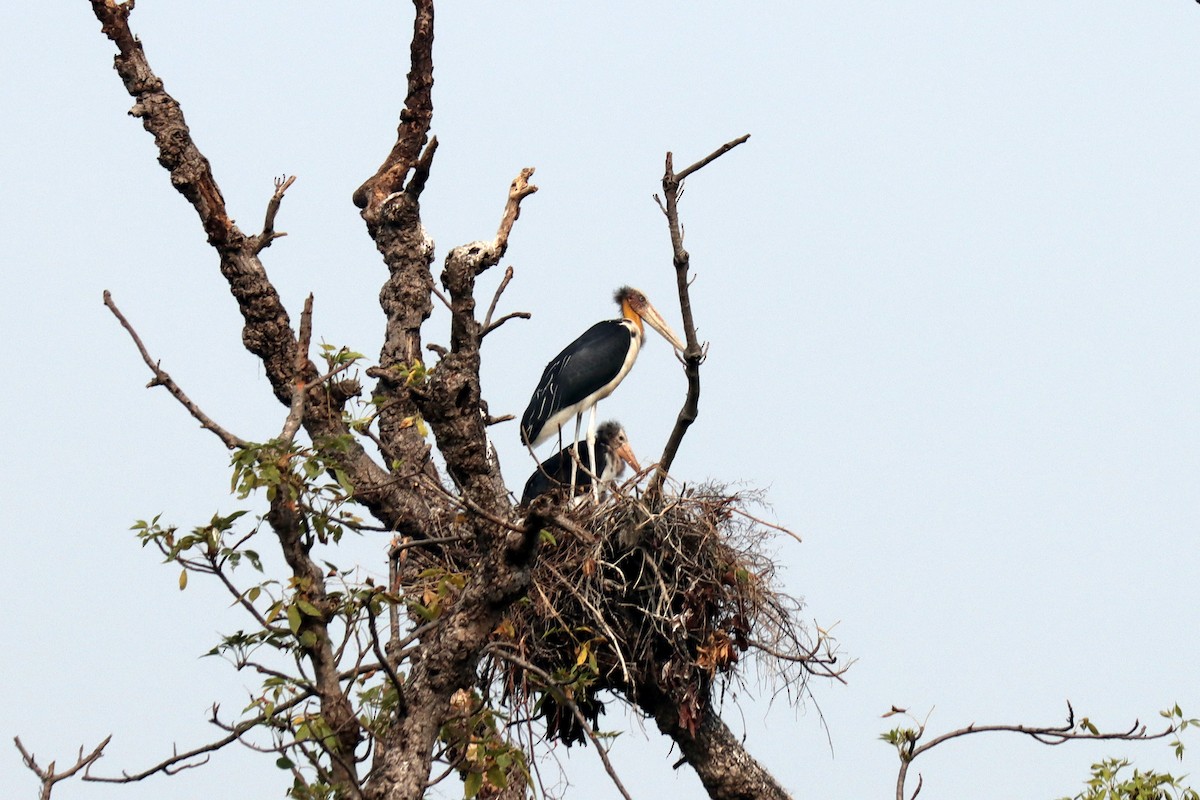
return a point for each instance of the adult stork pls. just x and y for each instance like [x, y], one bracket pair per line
[612, 454]
[588, 369]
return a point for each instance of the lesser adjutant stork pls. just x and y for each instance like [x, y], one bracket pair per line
[589, 368]
[612, 454]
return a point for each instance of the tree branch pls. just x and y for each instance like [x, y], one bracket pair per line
[518, 191]
[905, 739]
[296, 410]
[564, 699]
[458, 425]
[487, 318]
[268, 235]
[50, 775]
[719, 758]
[267, 332]
[693, 354]
[413, 131]
[176, 762]
[514, 315]
[161, 378]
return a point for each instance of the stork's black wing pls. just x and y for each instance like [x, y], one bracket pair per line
[555, 473]
[584, 367]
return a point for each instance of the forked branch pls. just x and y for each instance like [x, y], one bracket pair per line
[906, 740]
[268, 235]
[413, 150]
[693, 355]
[49, 775]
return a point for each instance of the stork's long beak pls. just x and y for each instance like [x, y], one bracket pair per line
[625, 452]
[650, 314]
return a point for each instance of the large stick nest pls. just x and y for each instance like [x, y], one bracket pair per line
[654, 604]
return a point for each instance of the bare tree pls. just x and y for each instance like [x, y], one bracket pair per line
[380, 691]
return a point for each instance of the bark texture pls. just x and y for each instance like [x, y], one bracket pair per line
[722, 763]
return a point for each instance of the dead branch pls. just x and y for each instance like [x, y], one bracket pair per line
[518, 191]
[487, 318]
[377, 647]
[488, 326]
[161, 378]
[693, 354]
[713, 156]
[268, 235]
[50, 775]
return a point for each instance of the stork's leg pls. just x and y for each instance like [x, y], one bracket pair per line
[575, 453]
[591, 444]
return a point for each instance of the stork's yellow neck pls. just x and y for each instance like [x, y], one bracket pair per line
[631, 315]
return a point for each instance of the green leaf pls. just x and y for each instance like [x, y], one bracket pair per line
[472, 784]
[283, 762]
[293, 615]
[497, 778]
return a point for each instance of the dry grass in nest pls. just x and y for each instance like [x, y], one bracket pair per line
[654, 605]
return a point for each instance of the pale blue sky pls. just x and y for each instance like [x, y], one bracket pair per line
[949, 286]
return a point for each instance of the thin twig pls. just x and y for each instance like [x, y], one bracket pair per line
[440, 295]
[599, 617]
[1047, 735]
[514, 315]
[49, 775]
[563, 698]
[713, 156]
[467, 504]
[161, 378]
[397, 549]
[268, 235]
[765, 524]
[397, 684]
[508, 276]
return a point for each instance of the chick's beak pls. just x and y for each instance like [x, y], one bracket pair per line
[625, 452]
[650, 314]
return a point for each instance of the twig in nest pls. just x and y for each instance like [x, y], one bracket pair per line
[670, 615]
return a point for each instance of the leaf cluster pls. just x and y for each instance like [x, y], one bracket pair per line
[1111, 781]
